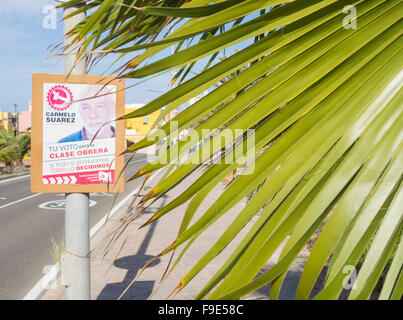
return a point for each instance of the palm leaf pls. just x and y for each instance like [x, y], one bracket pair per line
[322, 101]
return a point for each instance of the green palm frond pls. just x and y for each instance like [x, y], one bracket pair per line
[8, 155]
[14, 148]
[325, 102]
[24, 145]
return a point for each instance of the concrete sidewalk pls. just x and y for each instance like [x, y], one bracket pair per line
[111, 274]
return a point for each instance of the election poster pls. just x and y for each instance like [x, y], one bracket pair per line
[76, 140]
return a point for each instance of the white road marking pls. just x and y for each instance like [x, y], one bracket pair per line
[16, 178]
[20, 200]
[95, 194]
[59, 204]
[50, 276]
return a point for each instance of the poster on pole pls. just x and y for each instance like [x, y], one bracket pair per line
[75, 141]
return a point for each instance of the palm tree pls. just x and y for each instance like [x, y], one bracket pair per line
[13, 149]
[7, 156]
[320, 83]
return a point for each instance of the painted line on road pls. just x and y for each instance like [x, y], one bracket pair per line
[51, 275]
[18, 201]
[16, 178]
[59, 205]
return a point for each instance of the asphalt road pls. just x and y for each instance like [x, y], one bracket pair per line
[28, 224]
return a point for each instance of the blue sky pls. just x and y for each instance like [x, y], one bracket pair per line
[24, 50]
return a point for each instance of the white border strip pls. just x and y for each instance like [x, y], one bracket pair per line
[20, 200]
[15, 178]
[50, 276]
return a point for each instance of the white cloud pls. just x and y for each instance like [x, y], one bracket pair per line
[23, 7]
[11, 34]
[18, 17]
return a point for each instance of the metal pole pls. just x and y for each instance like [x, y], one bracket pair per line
[77, 246]
[76, 260]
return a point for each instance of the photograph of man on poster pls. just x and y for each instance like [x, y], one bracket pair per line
[95, 113]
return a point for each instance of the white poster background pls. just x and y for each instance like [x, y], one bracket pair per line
[70, 162]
